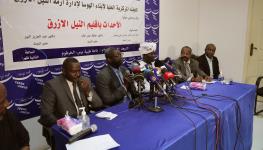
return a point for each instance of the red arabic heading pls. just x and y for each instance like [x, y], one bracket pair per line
[80, 24]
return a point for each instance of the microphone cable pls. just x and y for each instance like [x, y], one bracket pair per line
[238, 114]
[193, 111]
[215, 111]
[192, 122]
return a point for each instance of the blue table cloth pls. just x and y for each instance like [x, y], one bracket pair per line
[220, 117]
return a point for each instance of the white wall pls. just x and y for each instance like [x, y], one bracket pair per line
[37, 141]
[224, 22]
[198, 22]
[179, 21]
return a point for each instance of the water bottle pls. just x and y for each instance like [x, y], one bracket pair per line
[221, 77]
[84, 119]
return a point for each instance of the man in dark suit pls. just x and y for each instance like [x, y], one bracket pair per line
[113, 82]
[14, 135]
[67, 92]
[189, 67]
[208, 62]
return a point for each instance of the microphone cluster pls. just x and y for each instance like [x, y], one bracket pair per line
[160, 77]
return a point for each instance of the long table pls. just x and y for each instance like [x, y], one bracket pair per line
[220, 117]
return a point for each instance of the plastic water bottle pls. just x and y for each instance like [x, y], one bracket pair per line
[221, 77]
[85, 119]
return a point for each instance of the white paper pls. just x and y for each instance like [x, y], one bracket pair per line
[210, 82]
[184, 87]
[101, 142]
[106, 115]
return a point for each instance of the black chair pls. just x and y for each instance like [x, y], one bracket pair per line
[259, 93]
[47, 133]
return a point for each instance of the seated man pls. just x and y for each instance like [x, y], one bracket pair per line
[147, 50]
[189, 67]
[67, 92]
[208, 62]
[14, 135]
[113, 82]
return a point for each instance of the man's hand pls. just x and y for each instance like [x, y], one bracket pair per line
[208, 79]
[197, 79]
[128, 79]
[84, 86]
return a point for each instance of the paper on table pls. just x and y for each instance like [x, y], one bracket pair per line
[210, 82]
[106, 115]
[101, 142]
[184, 87]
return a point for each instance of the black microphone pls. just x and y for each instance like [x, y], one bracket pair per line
[158, 63]
[83, 133]
[151, 78]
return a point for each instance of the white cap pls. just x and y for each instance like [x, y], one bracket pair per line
[147, 47]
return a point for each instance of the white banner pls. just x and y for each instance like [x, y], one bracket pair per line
[54, 24]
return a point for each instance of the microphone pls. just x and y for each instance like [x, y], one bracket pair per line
[172, 69]
[136, 70]
[149, 75]
[169, 76]
[81, 134]
[158, 63]
[138, 77]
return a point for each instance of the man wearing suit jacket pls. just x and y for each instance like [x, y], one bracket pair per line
[114, 82]
[189, 67]
[208, 62]
[67, 92]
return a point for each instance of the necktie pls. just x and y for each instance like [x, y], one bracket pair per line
[187, 69]
[120, 77]
[76, 96]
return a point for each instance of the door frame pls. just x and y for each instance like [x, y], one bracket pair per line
[248, 40]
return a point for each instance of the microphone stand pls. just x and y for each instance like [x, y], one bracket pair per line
[138, 102]
[155, 108]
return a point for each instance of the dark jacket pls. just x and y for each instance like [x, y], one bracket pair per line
[109, 87]
[203, 64]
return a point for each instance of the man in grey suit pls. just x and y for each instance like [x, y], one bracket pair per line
[189, 67]
[114, 82]
[67, 92]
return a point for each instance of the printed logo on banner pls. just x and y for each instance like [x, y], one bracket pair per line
[38, 101]
[55, 70]
[147, 29]
[40, 76]
[87, 69]
[98, 65]
[26, 107]
[147, 16]
[22, 79]
[11, 106]
[155, 16]
[5, 77]
[86, 66]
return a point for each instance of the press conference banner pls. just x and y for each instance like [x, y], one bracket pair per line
[34, 31]
[38, 48]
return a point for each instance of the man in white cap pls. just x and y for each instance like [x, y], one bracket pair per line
[147, 50]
